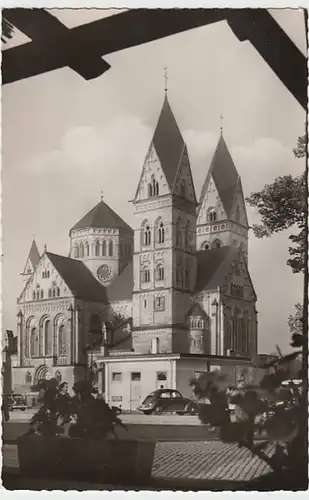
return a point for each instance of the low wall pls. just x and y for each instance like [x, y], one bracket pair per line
[152, 432]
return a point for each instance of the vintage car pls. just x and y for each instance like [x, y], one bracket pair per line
[168, 400]
[16, 402]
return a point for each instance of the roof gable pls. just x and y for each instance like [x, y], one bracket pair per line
[101, 216]
[183, 184]
[79, 278]
[224, 174]
[168, 142]
[152, 169]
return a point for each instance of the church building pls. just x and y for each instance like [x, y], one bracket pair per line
[151, 306]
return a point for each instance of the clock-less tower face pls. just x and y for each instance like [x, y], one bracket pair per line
[104, 274]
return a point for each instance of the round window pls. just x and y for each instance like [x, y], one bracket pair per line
[104, 273]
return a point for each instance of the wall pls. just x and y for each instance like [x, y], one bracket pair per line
[124, 389]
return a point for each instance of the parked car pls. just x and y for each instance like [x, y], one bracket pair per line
[168, 400]
[17, 402]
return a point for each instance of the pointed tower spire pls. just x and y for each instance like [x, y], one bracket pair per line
[32, 260]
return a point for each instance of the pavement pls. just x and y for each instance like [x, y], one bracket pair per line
[203, 465]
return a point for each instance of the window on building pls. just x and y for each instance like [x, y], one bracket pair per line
[136, 376]
[145, 275]
[33, 295]
[116, 376]
[237, 215]
[58, 292]
[48, 339]
[76, 252]
[34, 343]
[183, 188]
[161, 233]
[54, 292]
[187, 277]
[42, 294]
[212, 215]
[97, 249]
[62, 344]
[110, 248]
[153, 187]
[87, 249]
[145, 303]
[178, 233]
[147, 236]
[159, 303]
[81, 249]
[103, 248]
[28, 378]
[38, 295]
[160, 273]
[49, 293]
[237, 291]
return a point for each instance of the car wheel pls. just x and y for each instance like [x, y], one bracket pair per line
[158, 410]
[192, 409]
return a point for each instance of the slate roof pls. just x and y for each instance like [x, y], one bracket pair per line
[213, 266]
[102, 216]
[224, 174]
[168, 142]
[122, 286]
[79, 278]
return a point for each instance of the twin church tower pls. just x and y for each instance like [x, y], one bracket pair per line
[180, 277]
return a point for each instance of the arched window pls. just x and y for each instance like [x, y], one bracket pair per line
[110, 248]
[212, 215]
[187, 235]
[38, 295]
[62, 341]
[33, 295]
[28, 378]
[34, 343]
[104, 248]
[58, 376]
[81, 249]
[178, 233]
[183, 188]
[76, 251]
[161, 233]
[160, 273]
[145, 275]
[153, 187]
[49, 293]
[48, 339]
[87, 249]
[147, 236]
[54, 292]
[237, 215]
[58, 292]
[97, 249]
[42, 294]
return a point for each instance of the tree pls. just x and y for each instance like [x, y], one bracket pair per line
[295, 322]
[275, 411]
[282, 205]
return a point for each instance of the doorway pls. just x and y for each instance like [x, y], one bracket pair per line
[135, 390]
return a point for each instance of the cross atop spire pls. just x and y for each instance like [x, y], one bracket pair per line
[221, 123]
[165, 79]
[101, 192]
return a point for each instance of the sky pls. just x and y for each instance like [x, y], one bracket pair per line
[65, 139]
